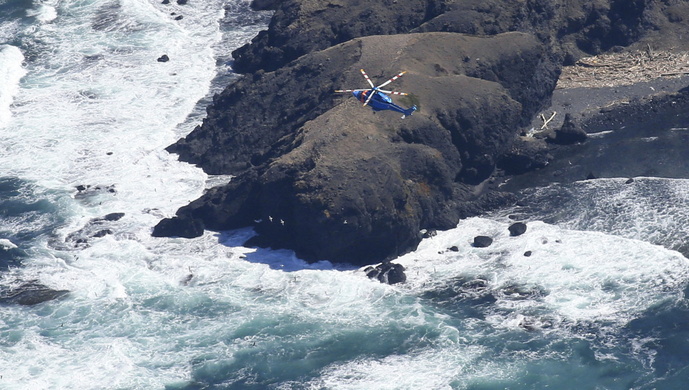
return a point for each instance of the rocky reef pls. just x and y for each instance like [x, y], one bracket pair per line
[317, 173]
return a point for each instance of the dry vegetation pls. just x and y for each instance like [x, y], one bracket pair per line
[608, 70]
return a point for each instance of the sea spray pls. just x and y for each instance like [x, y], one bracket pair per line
[11, 72]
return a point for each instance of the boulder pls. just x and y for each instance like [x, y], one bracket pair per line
[517, 229]
[482, 242]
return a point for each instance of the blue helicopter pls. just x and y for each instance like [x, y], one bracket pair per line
[377, 99]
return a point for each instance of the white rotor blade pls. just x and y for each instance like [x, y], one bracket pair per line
[350, 90]
[392, 79]
[367, 79]
[373, 92]
[393, 92]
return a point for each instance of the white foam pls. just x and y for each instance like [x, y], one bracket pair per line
[6, 244]
[43, 11]
[433, 369]
[570, 276]
[648, 209]
[600, 134]
[96, 108]
[11, 72]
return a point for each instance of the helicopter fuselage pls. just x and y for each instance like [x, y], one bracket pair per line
[380, 101]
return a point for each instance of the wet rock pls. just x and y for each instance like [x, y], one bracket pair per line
[482, 242]
[178, 227]
[390, 273]
[30, 293]
[110, 217]
[474, 292]
[517, 229]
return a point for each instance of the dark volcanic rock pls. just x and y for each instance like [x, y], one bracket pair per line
[387, 272]
[517, 229]
[574, 28]
[300, 27]
[524, 155]
[178, 227]
[482, 242]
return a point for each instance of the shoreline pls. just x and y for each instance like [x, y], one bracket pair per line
[633, 131]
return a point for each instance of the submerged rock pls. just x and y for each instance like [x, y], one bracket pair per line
[30, 293]
[95, 228]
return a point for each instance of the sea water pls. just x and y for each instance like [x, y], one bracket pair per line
[592, 296]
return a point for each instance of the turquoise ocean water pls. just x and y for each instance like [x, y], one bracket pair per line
[86, 111]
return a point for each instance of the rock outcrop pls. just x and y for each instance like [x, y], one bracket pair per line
[336, 181]
[319, 174]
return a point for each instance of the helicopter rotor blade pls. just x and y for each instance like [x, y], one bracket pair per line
[394, 92]
[373, 92]
[350, 90]
[367, 79]
[392, 79]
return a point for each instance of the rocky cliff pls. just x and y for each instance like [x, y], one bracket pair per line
[317, 173]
